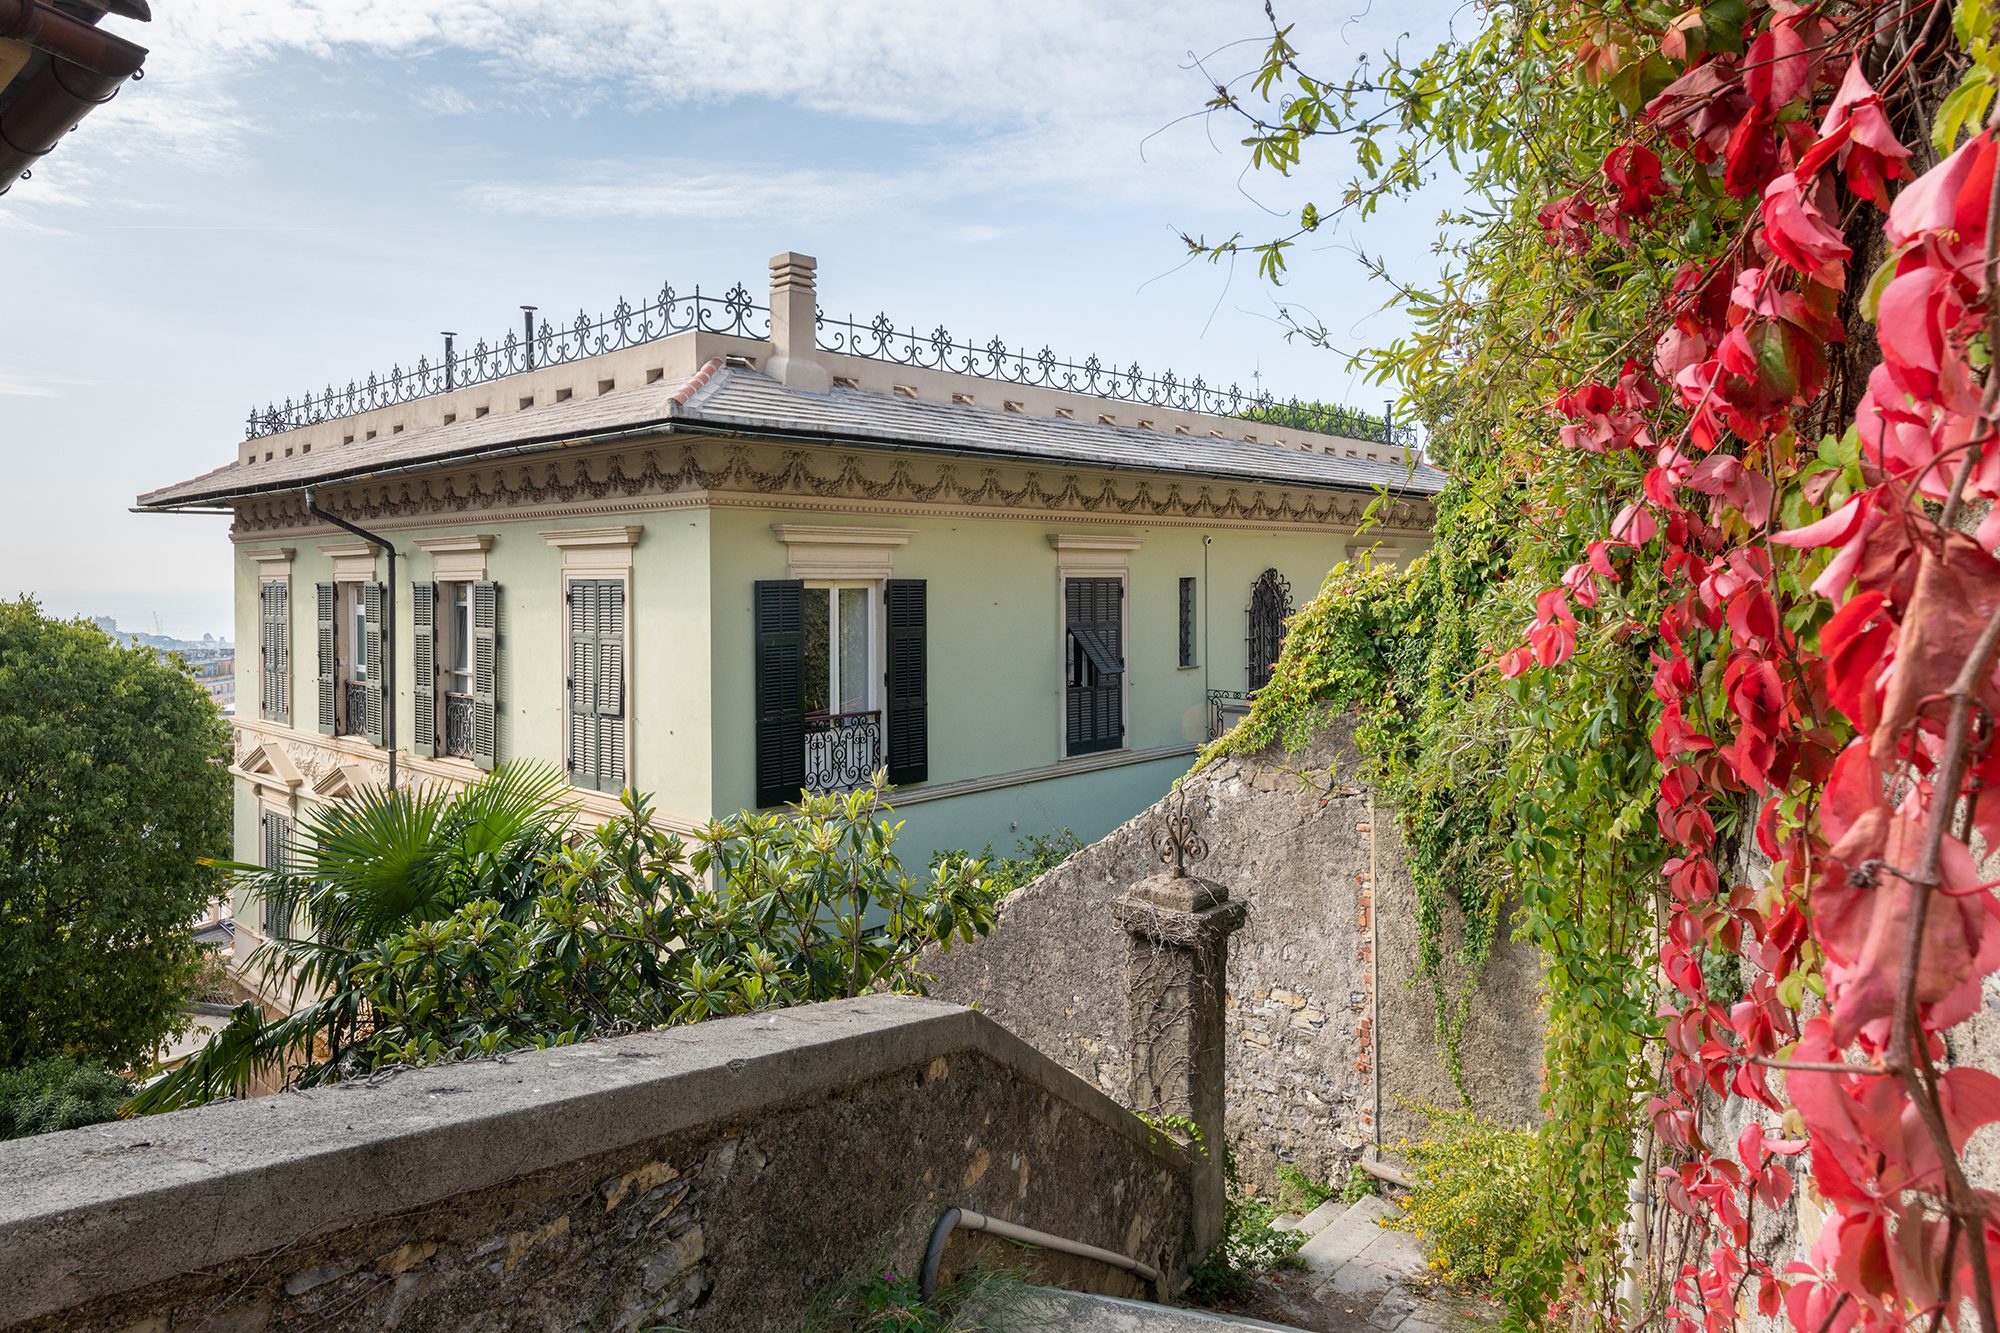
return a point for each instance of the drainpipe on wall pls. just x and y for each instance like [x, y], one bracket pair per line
[388, 625]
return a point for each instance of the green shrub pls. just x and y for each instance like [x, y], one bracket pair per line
[1033, 857]
[1473, 1200]
[1358, 1186]
[58, 1093]
[1299, 1192]
[1250, 1247]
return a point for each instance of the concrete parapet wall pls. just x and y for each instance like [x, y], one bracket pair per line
[712, 1177]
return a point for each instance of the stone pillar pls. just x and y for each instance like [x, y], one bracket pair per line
[795, 324]
[1176, 966]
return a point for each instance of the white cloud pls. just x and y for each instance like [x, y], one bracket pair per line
[1028, 93]
[17, 386]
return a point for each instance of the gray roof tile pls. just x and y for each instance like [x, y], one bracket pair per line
[745, 401]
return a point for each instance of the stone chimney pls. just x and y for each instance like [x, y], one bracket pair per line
[795, 324]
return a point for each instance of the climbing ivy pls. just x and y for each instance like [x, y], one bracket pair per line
[1394, 651]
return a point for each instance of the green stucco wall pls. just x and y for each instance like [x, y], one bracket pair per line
[995, 654]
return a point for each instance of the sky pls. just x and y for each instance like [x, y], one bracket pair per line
[302, 193]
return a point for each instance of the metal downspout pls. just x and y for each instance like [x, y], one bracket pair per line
[388, 625]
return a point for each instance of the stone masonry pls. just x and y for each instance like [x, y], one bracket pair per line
[1297, 840]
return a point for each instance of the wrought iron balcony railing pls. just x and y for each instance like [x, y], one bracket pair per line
[354, 708]
[533, 347]
[1225, 709]
[843, 750]
[458, 725]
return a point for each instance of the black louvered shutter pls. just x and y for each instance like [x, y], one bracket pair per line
[371, 647]
[781, 710]
[328, 598]
[909, 758]
[582, 682]
[276, 649]
[1094, 700]
[423, 669]
[485, 674]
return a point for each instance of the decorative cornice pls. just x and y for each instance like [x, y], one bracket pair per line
[829, 534]
[459, 558]
[1095, 541]
[596, 550]
[269, 556]
[756, 474]
[569, 538]
[828, 551]
[353, 562]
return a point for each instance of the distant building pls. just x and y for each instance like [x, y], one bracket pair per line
[213, 660]
[729, 553]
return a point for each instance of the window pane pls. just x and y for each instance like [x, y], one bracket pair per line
[816, 612]
[461, 638]
[855, 641]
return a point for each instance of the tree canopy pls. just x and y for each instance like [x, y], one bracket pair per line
[113, 791]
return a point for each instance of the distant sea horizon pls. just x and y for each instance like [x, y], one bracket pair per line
[178, 615]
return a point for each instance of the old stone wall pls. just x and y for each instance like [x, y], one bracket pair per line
[1295, 837]
[708, 1178]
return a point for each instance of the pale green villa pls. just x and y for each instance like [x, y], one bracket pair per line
[724, 551]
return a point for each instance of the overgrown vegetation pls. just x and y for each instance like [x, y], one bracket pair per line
[433, 925]
[56, 1094]
[1473, 1197]
[877, 1298]
[1250, 1246]
[1298, 1192]
[1034, 855]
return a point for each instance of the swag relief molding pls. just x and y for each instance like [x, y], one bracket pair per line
[675, 474]
[295, 765]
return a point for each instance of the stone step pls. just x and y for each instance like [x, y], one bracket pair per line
[1322, 1217]
[1344, 1238]
[1052, 1310]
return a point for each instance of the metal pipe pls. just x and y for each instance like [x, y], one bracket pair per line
[388, 625]
[86, 68]
[82, 44]
[964, 1219]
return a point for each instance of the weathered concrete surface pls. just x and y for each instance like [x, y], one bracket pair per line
[1301, 844]
[1106, 1314]
[712, 1177]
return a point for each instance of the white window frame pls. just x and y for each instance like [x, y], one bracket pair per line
[1085, 555]
[588, 554]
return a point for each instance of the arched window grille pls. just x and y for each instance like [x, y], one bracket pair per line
[1270, 607]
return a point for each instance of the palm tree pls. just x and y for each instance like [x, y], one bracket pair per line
[359, 872]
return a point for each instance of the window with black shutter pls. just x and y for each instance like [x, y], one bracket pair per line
[1094, 692]
[778, 614]
[909, 757]
[274, 648]
[596, 682]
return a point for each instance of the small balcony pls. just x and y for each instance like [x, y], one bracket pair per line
[458, 725]
[843, 750]
[1225, 709]
[354, 708]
